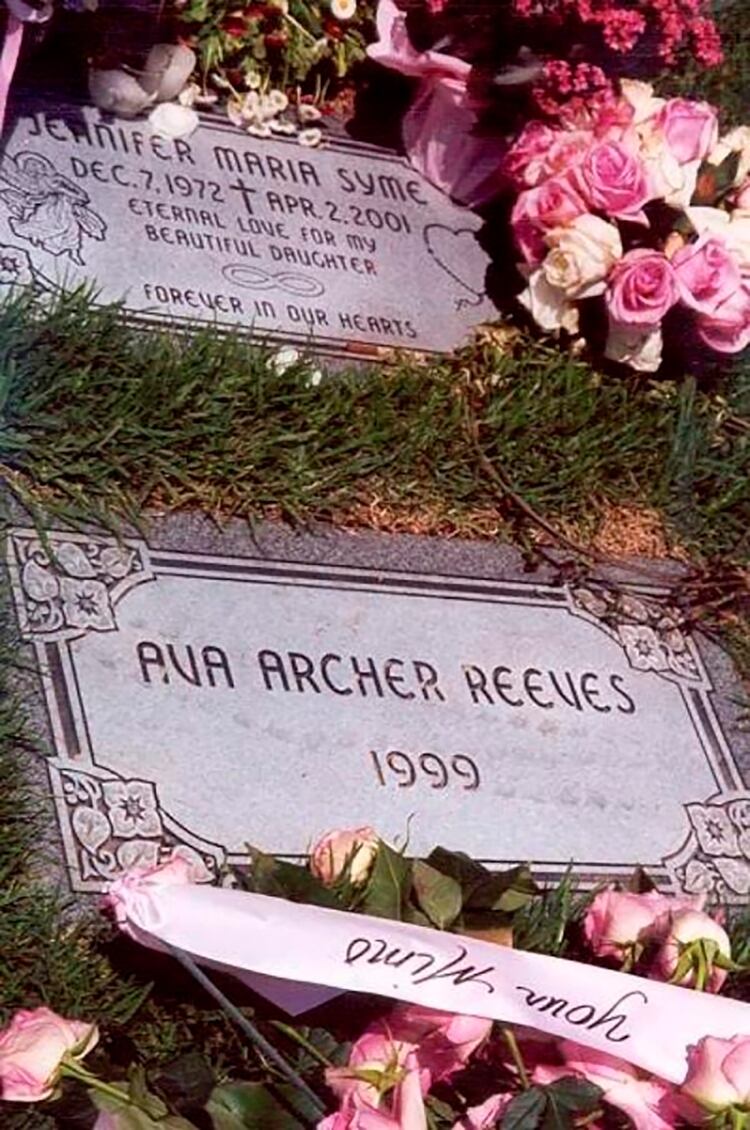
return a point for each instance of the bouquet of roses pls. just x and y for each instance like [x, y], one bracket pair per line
[637, 211]
[485, 70]
[415, 1067]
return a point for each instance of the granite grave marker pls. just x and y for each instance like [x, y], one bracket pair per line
[343, 247]
[206, 694]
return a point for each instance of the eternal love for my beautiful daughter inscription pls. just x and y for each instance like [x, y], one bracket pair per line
[343, 248]
[206, 692]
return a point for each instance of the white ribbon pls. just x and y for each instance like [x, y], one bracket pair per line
[648, 1023]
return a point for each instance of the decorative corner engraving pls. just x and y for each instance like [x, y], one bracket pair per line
[114, 824]
[47, 209]
[715, 858]
[70, 584]
[649, 633]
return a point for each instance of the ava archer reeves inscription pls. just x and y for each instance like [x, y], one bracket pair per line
[339, 244]
[227, 700]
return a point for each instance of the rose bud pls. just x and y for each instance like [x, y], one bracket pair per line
[34, 1049]
[346, 852]
[617, 922]
[717, 1082]
[696, 952]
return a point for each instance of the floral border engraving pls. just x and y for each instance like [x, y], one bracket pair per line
[69, 584]
[649, 632]
[715, 858]
[116, 824]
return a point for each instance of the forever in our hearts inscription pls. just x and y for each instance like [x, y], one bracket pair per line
[199, 703]
[342, 247]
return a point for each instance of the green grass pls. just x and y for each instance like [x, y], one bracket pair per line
[99, 418]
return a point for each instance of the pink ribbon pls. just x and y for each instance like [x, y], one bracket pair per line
[8, 60]
[648, 1023]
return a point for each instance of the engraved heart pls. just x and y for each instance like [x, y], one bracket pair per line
[458, 253]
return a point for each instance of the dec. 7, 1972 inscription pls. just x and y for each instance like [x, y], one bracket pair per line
[332, 247]
[200, 703]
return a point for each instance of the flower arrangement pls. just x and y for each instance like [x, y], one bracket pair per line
[282, 45]
[419, 1068]
[640, 208]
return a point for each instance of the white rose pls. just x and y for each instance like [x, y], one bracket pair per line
[640, 95]
[736, 141]
[582, 255]
[673, 182]
[548, 306]
[733, 230]
[634, 347]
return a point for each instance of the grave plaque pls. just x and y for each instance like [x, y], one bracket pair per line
[343, 247]
[198, 703]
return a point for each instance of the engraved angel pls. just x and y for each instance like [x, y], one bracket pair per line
[45, 207]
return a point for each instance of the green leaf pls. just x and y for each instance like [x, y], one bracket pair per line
[525, 1111]
[576, 1094]
[140, 1095]
[124, 1116]
[277, 877]
[505, 890]
[187, 1081]
[438, 895]
[388, 886]
[250, 1106]
[640, 882]
[465, 870]
[415, 917]
[567, 1098]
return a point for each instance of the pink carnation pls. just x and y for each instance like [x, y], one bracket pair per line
[642, 288]
[614, 181]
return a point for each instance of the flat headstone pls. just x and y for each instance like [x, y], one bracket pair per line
[206, 691]
[343, 248]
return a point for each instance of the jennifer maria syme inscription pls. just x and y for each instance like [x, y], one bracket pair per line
[327, 247]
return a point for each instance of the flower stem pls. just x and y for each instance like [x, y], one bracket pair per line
[293, 1034]
[75, 1071]
[510, 1039]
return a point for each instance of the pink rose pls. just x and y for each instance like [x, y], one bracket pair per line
[648, 1102]
[381, 1088]
[446, 1041]
[641, 288]
[742, 196]
[691, 128]
[617, 920]
[346, 849]
[33, 1049]
[487, 1115]
[727, 330]
[614, 181]
[567, 151]
[686, 936]
[524, 163]
[707, 274]
[538, 210]
[718, 1079]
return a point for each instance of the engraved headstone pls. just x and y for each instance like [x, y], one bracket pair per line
[206, 695]
[342, 248]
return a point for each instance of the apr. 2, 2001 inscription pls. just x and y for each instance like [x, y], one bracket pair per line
[345, 244]
[199, 703]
